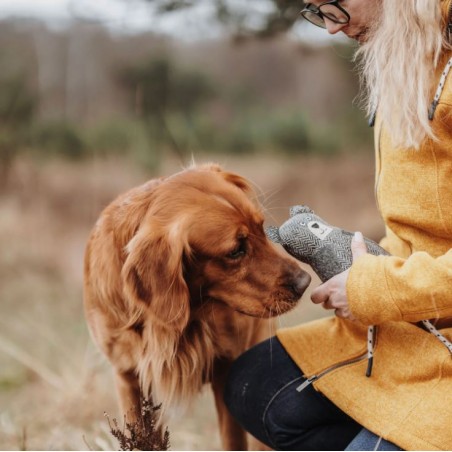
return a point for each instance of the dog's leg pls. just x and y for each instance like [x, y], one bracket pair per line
[128, 389]
[233, 437]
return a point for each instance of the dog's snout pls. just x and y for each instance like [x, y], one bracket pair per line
[299, 283]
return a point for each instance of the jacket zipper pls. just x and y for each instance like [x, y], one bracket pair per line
[313, 378]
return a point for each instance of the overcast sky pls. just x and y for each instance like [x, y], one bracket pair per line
[137, 16]
[133, 15]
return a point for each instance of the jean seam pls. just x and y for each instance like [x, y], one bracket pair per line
[264, 415]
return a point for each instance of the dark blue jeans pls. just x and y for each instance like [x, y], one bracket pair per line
[261, 394]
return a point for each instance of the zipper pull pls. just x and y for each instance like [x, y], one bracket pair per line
[307, 382]
[432, 109]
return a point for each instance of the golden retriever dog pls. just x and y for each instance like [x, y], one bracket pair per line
[179, 280]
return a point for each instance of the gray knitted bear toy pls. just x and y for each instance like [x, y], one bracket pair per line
[308, 238]
[327, 249]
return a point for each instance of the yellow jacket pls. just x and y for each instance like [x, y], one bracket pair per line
[408, 398]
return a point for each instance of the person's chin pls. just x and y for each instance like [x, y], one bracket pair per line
[360, 37]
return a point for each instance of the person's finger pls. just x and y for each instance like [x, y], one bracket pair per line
[328, 304]
[344, 313]
[320, 294]
[359, 247]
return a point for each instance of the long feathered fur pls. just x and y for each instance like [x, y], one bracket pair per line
[178, 276]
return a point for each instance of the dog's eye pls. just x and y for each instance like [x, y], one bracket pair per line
[238, 252]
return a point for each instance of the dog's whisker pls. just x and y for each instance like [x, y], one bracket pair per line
[269, 211]
[268, 202]
[278, 207]
[270, 328]
[269, 196]
[279, 317]
[265, 194]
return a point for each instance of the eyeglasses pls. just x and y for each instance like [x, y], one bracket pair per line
[330, 10]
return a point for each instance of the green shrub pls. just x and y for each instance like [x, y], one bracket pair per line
[290, 132]
[325, 140]
[240, 139]
[355, 131]
[17, 102]
[113, 137]
[59, 138]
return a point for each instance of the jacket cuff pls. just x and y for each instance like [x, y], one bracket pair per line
[368, 293]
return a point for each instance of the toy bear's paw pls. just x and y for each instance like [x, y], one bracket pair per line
[273, 234]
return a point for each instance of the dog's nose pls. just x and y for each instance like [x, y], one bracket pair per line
[299, 284]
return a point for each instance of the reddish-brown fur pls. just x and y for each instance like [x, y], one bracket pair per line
[180, 279]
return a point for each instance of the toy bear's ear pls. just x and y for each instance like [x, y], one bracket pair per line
[273, 234]
[295, 210]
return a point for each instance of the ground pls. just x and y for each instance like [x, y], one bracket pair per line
[54, 384]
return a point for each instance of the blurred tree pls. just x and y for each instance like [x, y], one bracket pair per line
[188, 91]
[157, 90]
[149, 87]
[59, 137]
[248, 18]
[17, 109]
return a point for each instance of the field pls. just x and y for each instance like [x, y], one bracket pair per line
[54, 385]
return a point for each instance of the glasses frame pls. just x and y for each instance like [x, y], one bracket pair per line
[312, 9]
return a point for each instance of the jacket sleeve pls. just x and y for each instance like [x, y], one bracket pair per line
[385, 288]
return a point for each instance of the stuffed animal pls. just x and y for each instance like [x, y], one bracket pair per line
[327, 249]
[308, 238]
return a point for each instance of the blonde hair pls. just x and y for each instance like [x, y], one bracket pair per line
[396, 64]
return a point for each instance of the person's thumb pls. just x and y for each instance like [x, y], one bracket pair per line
[359, 247]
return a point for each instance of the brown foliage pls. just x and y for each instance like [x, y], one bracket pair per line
[142, 434]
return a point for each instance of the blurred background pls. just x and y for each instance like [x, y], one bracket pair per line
[97, 97]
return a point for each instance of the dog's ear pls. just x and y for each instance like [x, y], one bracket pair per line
[238, 181]
[232, 178]
[153, 280]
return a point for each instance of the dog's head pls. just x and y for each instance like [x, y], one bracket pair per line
[203, 240]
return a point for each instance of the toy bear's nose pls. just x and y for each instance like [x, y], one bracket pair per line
[315, 225]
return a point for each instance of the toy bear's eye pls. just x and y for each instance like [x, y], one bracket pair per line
[309, 218]
[302, 223]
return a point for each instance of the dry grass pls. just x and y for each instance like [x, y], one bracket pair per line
[54, 386]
